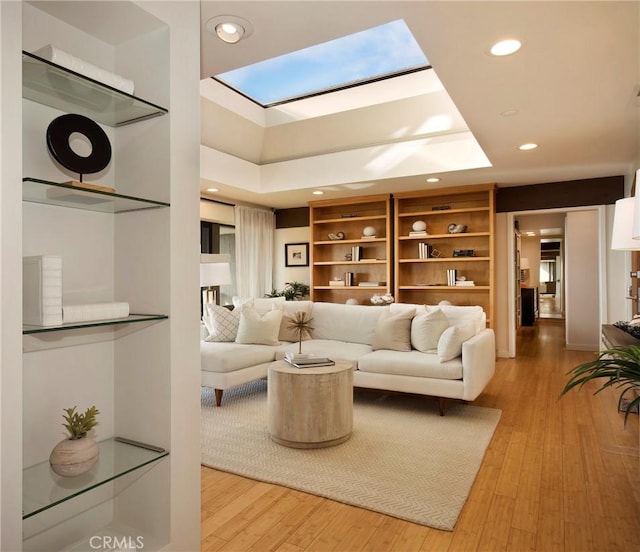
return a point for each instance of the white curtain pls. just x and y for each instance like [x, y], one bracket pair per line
[254, 251]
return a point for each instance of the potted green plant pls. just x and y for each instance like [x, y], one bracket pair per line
[292, 291]
[77, 453]
[620, 368]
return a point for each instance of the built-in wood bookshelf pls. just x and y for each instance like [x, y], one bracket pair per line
[423, 277]
[367, 258]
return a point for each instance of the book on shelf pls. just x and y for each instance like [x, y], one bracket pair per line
[451, 276]
[424, 250]
[418, 233]
[337, 283]
[368, 237]
[356, 252]
[42, 290]
[371, 284]
[463, 283]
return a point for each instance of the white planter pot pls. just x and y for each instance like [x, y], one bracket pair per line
[72, 457]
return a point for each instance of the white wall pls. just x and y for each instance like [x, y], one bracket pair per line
[282, 274]
[582, 282]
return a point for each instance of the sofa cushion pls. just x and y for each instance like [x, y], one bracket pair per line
[290, 308]
[426, 329]
[451, 340]
[258, 328]
[411, 363]
[458, 314]
[221, 323]
[393, 331]
[324, 347]
[229, 357]
[261, 304]
[339, 322]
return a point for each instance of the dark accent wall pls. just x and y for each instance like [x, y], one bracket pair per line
[554, 195]
[292, 218]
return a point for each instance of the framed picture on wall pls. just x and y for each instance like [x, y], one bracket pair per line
[296, 254]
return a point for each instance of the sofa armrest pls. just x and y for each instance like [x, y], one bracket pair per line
[478, 363]
[204, 333]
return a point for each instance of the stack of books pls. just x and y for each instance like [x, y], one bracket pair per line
[424, 250]
[356, 252]
[338, 283]
[307, 361]
[463, 283]
[452, 274]
[418, 233]
[372, 284]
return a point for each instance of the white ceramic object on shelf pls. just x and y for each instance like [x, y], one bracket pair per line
[73, 457]
[369, 231]
[419, 226]
[352, 301]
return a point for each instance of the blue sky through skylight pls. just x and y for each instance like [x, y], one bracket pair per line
[361, 57]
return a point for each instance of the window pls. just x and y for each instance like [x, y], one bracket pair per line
[381, 52]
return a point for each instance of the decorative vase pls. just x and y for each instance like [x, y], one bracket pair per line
[72, 457]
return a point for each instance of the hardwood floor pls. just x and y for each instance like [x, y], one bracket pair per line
[558, 475]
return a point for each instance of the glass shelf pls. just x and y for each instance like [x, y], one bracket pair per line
[27, 329]
[50, 84]
[42, 488]
[66, 195]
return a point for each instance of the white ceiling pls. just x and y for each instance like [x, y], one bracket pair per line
[574, 83]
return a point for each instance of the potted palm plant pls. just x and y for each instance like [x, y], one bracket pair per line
[77, 453]
[619, 368]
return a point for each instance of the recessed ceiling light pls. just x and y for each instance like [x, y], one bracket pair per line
[229, 28]
[317, 192]
[433, 179]
[505, 47]
[212, 190]
[529, 146]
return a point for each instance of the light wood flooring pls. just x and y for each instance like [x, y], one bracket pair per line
[558, 475]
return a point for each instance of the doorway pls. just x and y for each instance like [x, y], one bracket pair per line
[579, 271]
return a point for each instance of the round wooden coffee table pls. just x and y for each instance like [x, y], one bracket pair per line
[310, 407]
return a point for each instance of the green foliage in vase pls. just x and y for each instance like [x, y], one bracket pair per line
[620, 367]
[78, 424]
[292, 291]
[300, 324]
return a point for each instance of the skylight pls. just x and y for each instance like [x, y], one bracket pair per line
[381, 52]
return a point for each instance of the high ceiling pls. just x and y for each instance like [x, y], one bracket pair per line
[574, 85]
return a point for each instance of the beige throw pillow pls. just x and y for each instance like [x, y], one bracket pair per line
[451, 340]
[393, 331]
[426, 329]
[259, 329]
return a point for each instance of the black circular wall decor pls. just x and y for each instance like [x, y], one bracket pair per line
[58, 133]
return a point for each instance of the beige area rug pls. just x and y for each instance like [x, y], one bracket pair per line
[403, 459]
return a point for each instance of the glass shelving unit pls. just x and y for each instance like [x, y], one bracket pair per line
[50, 84]
[75, 197]
[42, 488]
[132, 318]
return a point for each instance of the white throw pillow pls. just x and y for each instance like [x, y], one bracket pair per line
[426, 329]
[257, 328]
[393, 331]
[451, 340]
[261, 304]
[222, 324]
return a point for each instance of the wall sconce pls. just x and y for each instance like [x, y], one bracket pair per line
[215, 270]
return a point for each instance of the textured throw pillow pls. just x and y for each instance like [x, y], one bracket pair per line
[257, 328]
[393, 331]
[451, 340]
[222, 324]
[426, 330]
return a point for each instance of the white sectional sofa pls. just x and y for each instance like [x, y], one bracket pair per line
[446, 352]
